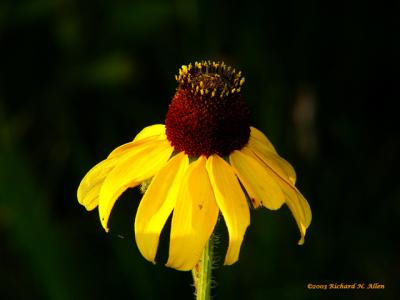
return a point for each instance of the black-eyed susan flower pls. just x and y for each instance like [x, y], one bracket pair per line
[204, 161]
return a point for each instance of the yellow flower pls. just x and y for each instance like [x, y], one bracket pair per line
[196, 162]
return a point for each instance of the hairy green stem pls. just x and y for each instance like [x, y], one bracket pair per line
[202, 273]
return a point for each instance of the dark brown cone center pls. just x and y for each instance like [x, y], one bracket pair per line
[208, 115]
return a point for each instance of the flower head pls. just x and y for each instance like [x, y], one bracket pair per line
[196, 162]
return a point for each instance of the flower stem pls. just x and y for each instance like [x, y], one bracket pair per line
[202, 272]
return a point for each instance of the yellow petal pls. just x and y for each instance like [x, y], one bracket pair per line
[259, 184]
[154, 131]
[89, 188]
[232, 203]
[301, 211]
[277, 163]
[296, 202]
[141, 163]
[194, 218]
[262, 138]
[157, 204]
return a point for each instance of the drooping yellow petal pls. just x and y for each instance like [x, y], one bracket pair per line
[89, 188]
[155, 131]
[157, 204]
[300, 209]
[194, 218]
[296, 202]
[142, 162]
[259, 184]
[277, 163]
[232, 203]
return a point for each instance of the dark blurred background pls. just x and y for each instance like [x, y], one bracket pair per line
[79, 78]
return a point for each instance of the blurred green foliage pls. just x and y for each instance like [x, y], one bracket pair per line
[79, 78]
